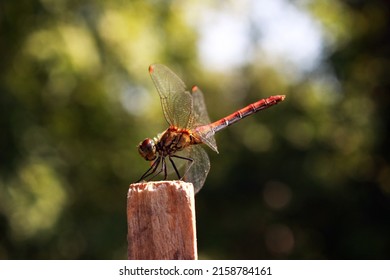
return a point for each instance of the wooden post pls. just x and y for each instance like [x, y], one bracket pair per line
[161, 221]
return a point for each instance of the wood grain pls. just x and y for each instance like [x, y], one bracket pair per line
[161, 221]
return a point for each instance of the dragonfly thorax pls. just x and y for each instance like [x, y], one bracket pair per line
[167, 143]
[173, 140]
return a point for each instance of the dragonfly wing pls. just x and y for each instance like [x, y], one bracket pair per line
[200, 168]
[201, 119]
[176, 102]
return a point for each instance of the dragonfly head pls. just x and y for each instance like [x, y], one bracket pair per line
[147, 149]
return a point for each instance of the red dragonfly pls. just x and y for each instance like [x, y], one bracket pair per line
[189, 125]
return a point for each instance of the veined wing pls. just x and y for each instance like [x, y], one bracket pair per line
[176, 102]
[200, 118]
[197, 174]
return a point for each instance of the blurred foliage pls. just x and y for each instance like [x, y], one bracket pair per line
[307, 179]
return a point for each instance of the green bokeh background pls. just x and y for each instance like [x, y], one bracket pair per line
[307, 179]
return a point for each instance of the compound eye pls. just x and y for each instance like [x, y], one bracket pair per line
[147, 149]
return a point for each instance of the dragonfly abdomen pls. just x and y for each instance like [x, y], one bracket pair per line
[246, 111]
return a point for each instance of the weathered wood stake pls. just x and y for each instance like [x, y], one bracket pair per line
[161, 221]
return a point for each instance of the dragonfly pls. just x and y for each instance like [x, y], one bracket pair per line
[189, 126]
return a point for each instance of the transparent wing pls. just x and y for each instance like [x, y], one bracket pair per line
[201, 118]
[176, 102]
[200, 168]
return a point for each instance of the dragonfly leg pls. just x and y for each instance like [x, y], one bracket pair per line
[188, 168]
[174, 167]
[151, 170]
[163, 167]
